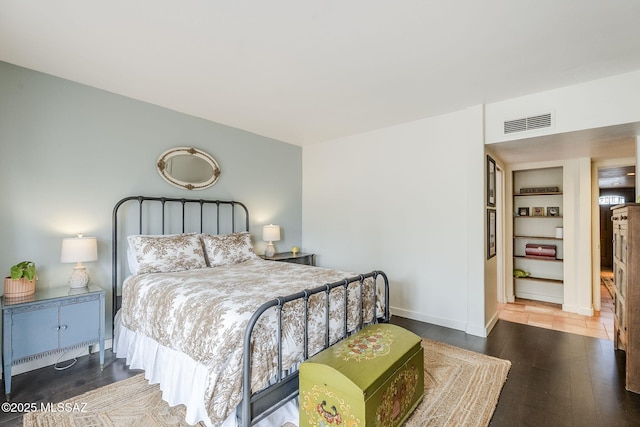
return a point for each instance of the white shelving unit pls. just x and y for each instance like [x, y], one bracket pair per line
[541, 226]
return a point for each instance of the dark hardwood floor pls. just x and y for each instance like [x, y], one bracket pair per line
[47, 385]
[556, 378]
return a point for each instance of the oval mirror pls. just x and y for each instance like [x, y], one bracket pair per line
[188, 168]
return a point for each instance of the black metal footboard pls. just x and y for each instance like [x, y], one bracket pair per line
[257, 405]
[165, 215]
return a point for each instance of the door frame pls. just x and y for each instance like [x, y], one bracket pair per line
[500, 236]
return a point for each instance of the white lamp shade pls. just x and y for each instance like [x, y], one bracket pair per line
[271, 233]
[79, 249]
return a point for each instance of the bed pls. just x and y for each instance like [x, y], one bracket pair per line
[219, 328]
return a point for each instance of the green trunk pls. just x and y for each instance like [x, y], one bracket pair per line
[373, 378]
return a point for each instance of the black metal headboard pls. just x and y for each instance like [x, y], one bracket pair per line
[165, 215]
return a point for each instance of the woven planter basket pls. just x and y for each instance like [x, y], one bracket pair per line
[19, 287]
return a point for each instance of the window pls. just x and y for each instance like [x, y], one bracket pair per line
[611, 200]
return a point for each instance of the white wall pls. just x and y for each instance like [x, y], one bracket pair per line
[578, 295]
[408, 200]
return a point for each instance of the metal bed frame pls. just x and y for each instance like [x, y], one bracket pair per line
[254, 405]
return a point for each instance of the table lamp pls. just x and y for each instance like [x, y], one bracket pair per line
[270, 233]
[79, 249]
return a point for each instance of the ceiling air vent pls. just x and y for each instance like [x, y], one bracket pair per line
[528, 123]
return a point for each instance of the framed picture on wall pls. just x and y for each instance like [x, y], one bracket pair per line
[523, 211]
[538, 211]
[491, 182]
[491, 233]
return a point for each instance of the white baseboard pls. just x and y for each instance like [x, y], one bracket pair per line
[476, 330]
[479, 331]
[492, 322]
[440, 321]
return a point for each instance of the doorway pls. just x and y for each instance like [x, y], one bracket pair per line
[616, 185]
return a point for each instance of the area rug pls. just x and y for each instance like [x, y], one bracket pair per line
[461, 389]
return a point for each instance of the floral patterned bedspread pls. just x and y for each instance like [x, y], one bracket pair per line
[204, 313]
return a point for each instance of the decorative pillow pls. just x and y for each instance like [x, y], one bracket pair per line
[228, 248]
[166, 253]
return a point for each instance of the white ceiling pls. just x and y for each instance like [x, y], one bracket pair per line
[305, 72]
[599, 144]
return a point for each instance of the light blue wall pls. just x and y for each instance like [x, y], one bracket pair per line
[69, 152]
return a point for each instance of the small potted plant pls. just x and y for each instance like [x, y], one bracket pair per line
[22, 281]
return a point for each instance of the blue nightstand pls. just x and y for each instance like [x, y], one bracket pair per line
[51, 321]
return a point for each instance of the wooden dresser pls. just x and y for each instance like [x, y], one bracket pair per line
[626, 271]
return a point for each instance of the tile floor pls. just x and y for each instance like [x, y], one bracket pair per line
[550, 316]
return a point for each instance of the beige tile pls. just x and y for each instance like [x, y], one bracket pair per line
[595, 324]
[550, 316]
[564, 327]
[609, 329]
[606, 314]
[563, 314]
[514, 316]
[540, 309]
[575, 316]
[558, 320]
[514, 307]
[540, 325]
[596, 333]
[541, 319]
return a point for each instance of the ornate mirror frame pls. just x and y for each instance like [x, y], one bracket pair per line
[164, 161]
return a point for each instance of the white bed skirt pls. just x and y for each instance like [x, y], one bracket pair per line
[182, 379]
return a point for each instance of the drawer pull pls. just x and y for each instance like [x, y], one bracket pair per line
[63, 327]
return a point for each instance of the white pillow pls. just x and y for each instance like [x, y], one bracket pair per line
[134, 267]
[167, 253]
[228, 248]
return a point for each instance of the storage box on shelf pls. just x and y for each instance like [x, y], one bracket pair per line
[537, 234]
[536, 251]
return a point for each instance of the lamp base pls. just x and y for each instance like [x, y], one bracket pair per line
[79, 278]
[270, 250]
